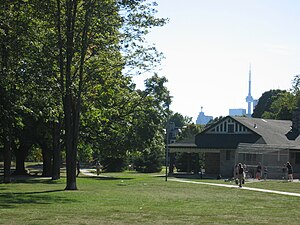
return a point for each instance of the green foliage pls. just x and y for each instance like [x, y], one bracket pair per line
[114, 163]
[74, 58]
[265, 102]
[276, 104]
[180, 120]
[150, 160]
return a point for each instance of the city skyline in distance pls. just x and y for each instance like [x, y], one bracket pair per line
[208, 46]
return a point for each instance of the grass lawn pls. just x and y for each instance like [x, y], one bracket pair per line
[131, 198]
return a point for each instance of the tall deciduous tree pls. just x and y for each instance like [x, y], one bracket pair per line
[14, 29]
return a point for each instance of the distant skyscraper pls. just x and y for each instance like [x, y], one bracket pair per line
[202, 119]
[249, 98]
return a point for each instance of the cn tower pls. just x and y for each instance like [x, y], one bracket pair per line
[249, 98]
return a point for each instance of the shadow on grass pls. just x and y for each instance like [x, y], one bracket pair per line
[107, 178]
[29, 179]
[13, 199]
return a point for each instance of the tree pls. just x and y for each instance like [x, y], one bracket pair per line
[265, 102]
[282, 107]
[180, 120]
[68, 51]
[14, 31]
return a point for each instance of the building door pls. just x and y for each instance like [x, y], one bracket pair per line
[212, 163]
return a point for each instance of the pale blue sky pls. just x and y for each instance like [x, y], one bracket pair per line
[209, 44]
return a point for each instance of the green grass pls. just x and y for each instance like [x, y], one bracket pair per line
[131, 198]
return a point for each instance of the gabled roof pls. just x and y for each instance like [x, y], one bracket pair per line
[250, 130]
[272, 131]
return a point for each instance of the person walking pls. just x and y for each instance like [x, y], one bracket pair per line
[241, 174]
[98, 168]
[290, 171]
[265, 173]
[258, 171]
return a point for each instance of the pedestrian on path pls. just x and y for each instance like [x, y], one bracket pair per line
[265, 173]
[290, 171]
[258, 171]
[241, 174]
[98, 168]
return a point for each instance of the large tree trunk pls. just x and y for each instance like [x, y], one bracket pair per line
[47, 161]
[21, 154]
[71, 148]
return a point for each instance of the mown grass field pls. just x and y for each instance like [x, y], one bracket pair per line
[132, 198]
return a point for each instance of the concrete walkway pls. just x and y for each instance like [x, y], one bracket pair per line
[235, 186]
[87, 172]
[90, 173]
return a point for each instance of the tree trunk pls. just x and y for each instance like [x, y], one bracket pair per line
[71, 152]
[47, 161]
[21, 154]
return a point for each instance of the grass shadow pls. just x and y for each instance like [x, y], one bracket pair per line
[106, 178]
[32, 180]
[14, 199]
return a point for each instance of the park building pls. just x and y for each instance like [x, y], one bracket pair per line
[246, 140]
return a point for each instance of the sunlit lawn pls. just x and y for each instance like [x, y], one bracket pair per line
[131, 198]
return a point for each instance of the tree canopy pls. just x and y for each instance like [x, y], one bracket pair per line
[66, 82]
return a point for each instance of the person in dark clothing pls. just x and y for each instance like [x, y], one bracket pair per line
[290, 171]
[241, 174]
[258, 171]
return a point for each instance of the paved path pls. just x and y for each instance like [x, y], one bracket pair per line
[90, 173]
[235, 186]
[87, 172]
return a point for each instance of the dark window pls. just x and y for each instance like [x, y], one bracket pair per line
[297, 157]
[230, 128]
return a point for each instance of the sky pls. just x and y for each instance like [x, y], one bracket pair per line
[209, 44]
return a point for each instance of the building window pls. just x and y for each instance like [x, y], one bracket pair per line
[297, 157]
[230, 128]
